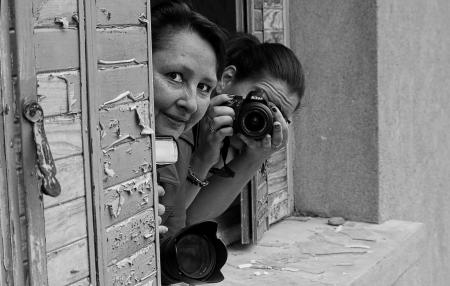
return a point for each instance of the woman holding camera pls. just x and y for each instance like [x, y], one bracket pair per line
[274, 73]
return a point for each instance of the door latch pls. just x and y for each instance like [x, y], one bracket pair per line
[33, 112]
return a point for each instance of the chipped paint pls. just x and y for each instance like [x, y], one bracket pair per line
[108, 171]
[117, 98]
[144, 168]
[136, 268]
[76, 18]
[131, 196]
[62, 21]
[143, 19]
[145, 128]
[115, 207]
[106, 12]
[120, 140]
[129, 61]
[139, 96]
[129, 234]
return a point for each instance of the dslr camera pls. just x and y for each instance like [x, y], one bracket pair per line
[253, 117]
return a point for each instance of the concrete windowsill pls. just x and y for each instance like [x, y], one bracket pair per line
[307, 252]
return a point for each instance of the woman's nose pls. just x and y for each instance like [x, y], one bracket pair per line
[189, 100]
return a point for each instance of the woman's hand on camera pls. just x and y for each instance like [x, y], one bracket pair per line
[214, 127]
[270, 143]
[161, 210]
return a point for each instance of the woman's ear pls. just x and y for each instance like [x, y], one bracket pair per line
[227, 78]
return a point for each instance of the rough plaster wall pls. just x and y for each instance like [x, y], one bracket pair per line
[335, 165]
[414, 125]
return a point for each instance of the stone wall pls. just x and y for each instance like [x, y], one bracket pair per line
[373, 136]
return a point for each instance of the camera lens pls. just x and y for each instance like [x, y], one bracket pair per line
[255, 120]
[195, 256]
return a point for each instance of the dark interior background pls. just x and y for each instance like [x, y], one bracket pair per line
[221, 12]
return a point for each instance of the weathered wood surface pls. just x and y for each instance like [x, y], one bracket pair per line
[130, 235]
[278, 186]
[278, 206]
[260, 211]
[45, 12]
[26, 81]
[277, 172]
[65, 224]
[112, 12]
[126, 161]
[122, 43]
[136, 269]
[127, 199]
[115, 81]
[59, 93]
[122, 121]
[11, 253]
[68, 264]
[56, 49]
[83, 282]
[64, 135]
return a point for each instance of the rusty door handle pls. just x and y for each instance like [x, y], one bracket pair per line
[33, 112]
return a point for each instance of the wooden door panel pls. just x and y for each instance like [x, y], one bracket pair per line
[123, 106]
[57, 49]
[112, 12]
[123, 121]
[121, 43]
[71, 177]
[130, 235]
[127, 199]
[59, 92]
[45, 12]
[138, 269]
[68, 264]
[126, 161]
[103, 225]
[114, 81]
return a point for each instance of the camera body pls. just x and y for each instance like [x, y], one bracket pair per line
[253, 117]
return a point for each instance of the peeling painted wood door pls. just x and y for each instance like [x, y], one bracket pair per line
[88, 64]
[271, 196]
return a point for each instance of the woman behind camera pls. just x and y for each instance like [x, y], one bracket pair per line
[269, 70]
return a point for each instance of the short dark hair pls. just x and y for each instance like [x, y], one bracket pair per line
[254, 59]
[169, 17]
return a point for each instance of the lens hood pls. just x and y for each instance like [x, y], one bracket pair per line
[193, 255]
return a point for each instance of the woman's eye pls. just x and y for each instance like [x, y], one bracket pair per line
[204, 88]
[175, 76]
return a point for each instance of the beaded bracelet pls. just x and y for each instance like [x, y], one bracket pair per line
[194, 179]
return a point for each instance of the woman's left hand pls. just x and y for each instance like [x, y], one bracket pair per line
[270, 143]
[213, 128]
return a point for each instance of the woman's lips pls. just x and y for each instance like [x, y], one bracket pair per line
[176, 119]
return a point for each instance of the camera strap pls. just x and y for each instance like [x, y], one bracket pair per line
[225, 171]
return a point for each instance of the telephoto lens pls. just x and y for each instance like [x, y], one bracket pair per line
[194, 255]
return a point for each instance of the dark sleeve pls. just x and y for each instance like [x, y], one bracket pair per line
[171, 178]
[173, 200]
